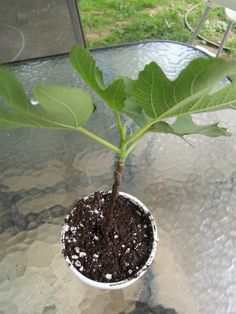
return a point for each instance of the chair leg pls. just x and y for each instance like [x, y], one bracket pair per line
[202, 20]
[226, 35]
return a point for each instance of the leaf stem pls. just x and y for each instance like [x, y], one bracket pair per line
[121, 127]
[99, 140]
[119, 122]
[132, 146]
[140, 131]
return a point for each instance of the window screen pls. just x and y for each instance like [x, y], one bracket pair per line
[32, 29]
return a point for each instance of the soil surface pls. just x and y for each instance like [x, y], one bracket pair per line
[119, 256]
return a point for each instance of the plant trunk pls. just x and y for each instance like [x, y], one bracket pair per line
[115, 192]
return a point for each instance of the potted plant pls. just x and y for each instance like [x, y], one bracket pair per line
[109, 238]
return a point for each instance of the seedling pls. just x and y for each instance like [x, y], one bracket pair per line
[148, 100]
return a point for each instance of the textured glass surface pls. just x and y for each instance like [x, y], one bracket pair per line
[30, 29]
[191, 193]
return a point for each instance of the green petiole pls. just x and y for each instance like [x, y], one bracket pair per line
[99, 140]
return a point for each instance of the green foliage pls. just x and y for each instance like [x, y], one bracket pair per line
[183, 125]
[148, 100]
[60, 107]
[114, 95]
[12, 92]
[189, 93]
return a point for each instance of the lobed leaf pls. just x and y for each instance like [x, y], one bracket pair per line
[114, 95]
[60, 107]
[131, 106]
[183, 125]
[190, 93]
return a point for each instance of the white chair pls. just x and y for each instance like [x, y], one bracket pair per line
[230, 11]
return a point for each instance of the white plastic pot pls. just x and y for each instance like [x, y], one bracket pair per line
[127, 282]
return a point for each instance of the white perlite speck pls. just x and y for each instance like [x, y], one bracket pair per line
[95, 238]
[81, 268]
[77, 263]
[96, 211]
[82, 254]
[130, 271]
[73, 230]
[95, 255]
[115, 236]
[77, 249]
[66, 228]
[128, 250]
[108, 276]
[74, 256]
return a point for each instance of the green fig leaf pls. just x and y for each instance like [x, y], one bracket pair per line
[60, 107]
[114, 95]
[192, 92]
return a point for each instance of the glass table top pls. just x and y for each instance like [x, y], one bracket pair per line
[190, 191]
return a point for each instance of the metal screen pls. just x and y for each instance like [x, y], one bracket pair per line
[32, 29]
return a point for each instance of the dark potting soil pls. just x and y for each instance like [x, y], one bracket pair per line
[118, 256]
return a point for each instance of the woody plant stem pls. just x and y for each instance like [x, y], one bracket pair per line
[125, 148]
[124, 152]
[117, 176]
